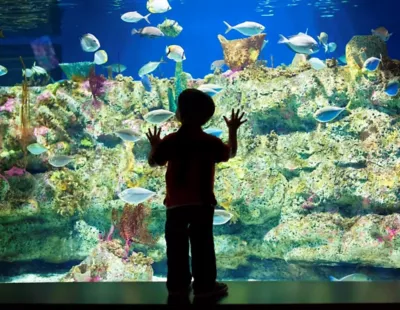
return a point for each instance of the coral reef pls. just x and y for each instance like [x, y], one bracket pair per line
[303, 195]
[77, 69]
[360, 48]
[170, 28]
[241, 53]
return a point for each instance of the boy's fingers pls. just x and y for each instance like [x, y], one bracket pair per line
[241, 116]
[159, 132]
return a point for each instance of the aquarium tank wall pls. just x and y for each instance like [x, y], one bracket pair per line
[313, 193]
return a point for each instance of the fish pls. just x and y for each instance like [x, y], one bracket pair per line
[331, 47]
[175, 52]
[90, 43]
[134, 17]
[3, 70]
[372, 64]
[264, 44]
[301, 43]
[158, 116]
[149, 67]
[210, 89]
[323, 38]
[100, 57]
[158, 6]
[355, 277]
[218, 64]
[382, 33]
[246, 28]
[343, 60]
[60, 160]
[216, 132]
[146, 83]
[2, 36]
[135, 195]
[317, 64]
[27, 72]
[128, 135]
[38, 70]
[36, 149]
[117, 68]
[150, 32]
[188, 76]
[221, 217]
[392, 89]
[328, 114]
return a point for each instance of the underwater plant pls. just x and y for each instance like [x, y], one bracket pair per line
[96, 84]
[180, 85]
[77, 69]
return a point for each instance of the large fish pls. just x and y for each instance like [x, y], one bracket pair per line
[134, 17]
[90, 43]
[301, 43]
[150, 67]
[382, 33]
[150, 32]
[158, 6]
[246, 28]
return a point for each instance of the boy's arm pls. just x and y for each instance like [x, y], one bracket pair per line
[232, 142]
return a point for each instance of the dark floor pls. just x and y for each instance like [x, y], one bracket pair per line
[240, 293]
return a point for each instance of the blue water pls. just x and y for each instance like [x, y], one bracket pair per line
[203, 20]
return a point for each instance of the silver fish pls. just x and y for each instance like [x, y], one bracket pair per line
[150, 67]
[221, 217]
[218, 64]
[128, 135]
[246, 28]
[134, 17]
[60, 160]
[36, 149]
[355, 277]
[3, 70]
[136, 195]
[89, 43]
[301, 43]
[158, 116]
[150, 32]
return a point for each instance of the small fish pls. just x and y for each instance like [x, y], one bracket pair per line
[175, 52]
[217, 64]
[392, 89]
[355, 277]
[100, 57]
[158, 6]
[158, 116]
[90, 43]
[317, 64]
[150, 67]
[128, 135]
[382, 33]
[323, 38]
[149, 32]
[372, 64]
[136, 195]
[343, 60]
[246, 28]
[331, 47]
[60, 160]
[221, 217]
[210, 89]
[3, 70]
[301, 43]
[146, 83]
[214, 132]
[38, 70]
[264, 44]
[134, 17]
[36, 149]
[328, 114]
[27, 72]
[117, 68]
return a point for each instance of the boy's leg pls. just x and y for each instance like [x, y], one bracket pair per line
[202, 244]
[177, 238]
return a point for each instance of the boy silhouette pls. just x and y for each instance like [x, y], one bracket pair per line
[191, 155]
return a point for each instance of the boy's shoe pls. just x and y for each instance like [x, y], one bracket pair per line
[219, 290]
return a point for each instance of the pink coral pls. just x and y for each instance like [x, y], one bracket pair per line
[40, 131]
[44, 97]
[15, 171]
[8, 106]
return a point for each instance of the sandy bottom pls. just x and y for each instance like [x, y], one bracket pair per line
[51, 278]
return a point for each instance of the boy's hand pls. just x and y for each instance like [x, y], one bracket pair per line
[235, 122]
[154, 138]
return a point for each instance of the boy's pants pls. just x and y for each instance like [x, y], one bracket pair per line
[194, 224]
